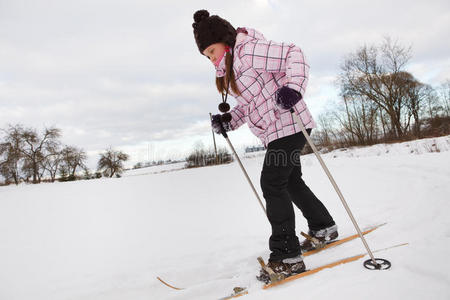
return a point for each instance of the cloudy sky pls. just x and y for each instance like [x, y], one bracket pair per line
[128, 74]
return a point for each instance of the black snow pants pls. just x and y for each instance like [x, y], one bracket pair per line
[282, 185]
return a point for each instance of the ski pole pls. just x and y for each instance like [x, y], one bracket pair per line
[214, 139]
[225, 135]
[333, 182]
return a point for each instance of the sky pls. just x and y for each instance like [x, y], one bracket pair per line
[128, 74]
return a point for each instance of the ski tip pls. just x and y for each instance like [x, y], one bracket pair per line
[165, 283]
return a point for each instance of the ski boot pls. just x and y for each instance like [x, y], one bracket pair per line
[318, 238]
[279, 270]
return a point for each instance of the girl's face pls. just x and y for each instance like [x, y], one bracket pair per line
[215, 52]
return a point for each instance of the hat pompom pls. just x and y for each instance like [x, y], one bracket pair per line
[200, 15]
[224, 107]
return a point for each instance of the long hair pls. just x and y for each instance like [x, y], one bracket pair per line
[221, 82]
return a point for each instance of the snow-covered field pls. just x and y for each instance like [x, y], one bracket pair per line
[202, 229]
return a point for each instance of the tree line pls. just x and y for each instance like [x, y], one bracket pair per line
[201, 157]
[380, 101]
[27, 155]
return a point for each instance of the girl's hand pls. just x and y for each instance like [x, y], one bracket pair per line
[219, 126]
[286, 97]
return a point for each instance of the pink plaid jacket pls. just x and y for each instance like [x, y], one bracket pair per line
[261, 67]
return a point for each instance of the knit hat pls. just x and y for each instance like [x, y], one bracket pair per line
[209, 30]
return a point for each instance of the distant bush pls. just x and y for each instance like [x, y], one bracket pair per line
[201, 158]
[139, 165]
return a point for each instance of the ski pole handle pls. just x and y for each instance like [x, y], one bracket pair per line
[215, 122]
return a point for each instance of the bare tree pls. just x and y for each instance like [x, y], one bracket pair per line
[375, 74]
[360, 120]
[10, 155]
[421, 98]
[111, 162]
[444, 92]
[52, 164]
[325, 134]
[71, 159]
[9, 163]
[36, 148]
[433, 105]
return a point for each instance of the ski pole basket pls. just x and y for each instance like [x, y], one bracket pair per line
[382, 264]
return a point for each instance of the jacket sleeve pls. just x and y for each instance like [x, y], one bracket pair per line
[237, 116]
[269, 56]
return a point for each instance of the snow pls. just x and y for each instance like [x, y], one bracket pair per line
[202, 229]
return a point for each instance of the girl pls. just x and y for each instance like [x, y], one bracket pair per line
[268, 79]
